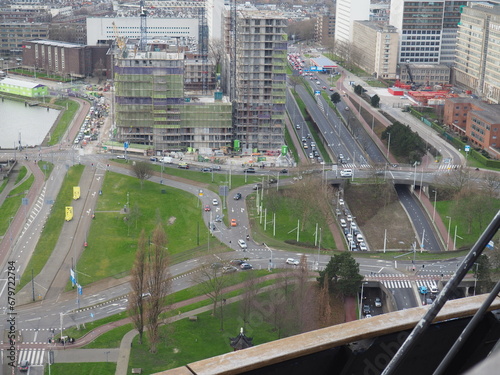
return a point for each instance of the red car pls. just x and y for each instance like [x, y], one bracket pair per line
[207, 207]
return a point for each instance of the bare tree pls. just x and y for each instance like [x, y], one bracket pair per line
[212, 281]
[136, 307]
[142, 171]
[249, 295]
[490, 183]
[324, 307]
[158, 284]
[216, 50]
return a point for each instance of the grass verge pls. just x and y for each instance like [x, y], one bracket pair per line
[13, 202]
[53, 226]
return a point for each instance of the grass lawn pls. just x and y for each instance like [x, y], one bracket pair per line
[87, 368]
[13, 202]
[212, 180]
[445, 208]
[375, 83]
[69, 108]
[3, 184]
[289, 208]
[22, 172]
[53, 225]
[46, 167]
[185, 341]
[113, 234]
[291, 146]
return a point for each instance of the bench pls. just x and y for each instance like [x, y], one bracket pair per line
[137, 371]
[193, 318]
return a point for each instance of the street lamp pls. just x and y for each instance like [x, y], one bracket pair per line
[361, 300]
[434, 212]
[388, 147]
[449, 228]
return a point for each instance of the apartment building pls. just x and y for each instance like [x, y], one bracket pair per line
[478, 50]
[378, 48]
[324, 29]
[152, 107]
[256, 77]
[347, 12]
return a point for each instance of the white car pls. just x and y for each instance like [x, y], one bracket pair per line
[349, 217]
[242, 244]
[292, 261]
[341, 201]
[215, 202]
[353, 226]
[362, 246]
[343, 224]
[346, 173]
[434, 290]
[120, 156]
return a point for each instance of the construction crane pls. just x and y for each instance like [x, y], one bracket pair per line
[120, 41]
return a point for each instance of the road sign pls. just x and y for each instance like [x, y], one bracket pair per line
[125, 145]
[467, 148]
[317, 92]
[490, 245]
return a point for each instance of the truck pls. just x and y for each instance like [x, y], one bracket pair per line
[166, 159]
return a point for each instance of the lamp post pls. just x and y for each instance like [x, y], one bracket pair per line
[449, 228]
[388, 147]
[361, 300]
[434, 212]
[475, 278]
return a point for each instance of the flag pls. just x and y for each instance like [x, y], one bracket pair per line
[72, 276]
[80, 289]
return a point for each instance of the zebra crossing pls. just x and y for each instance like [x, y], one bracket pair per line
[35, 357]
[448, 167]
[394, 281]
[356, 166]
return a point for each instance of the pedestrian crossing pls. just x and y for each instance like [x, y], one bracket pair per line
[396, 281]
[448, 167]
[356, 166]
[35, 357]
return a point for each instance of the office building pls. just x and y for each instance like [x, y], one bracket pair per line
[427, 30]
[347, 12]
[477, 54]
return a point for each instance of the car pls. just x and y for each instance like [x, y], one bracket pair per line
[229, 269]
[233, 222]
[236, 262]
[318, 82]
[341, 201]
[218, 218]
[323, 87]
[297, 126]
[246, 266]
[24, 366]
[353, 246]
[284, 171]
[346, 231]
[120, 156]
[341, 156]
[273, 181]
[378, 302]
[337, 212]
[428, 301]
[206, 208]
[362, 246]
[349, 237]
[305, 145]
[153, 158]
[368, 315]
[237, 196]
[242, 244]
[183, 166]
[311, 155]
[434, 290]
[359, 237]
[353, 225]
[349, 217]
[206, 169]
[346, 173]
[292, 261]
[257, 186]
[249, 170]
[313, 144]
[343, 224]
[331, 88]
[216, 266]
[215, 202]
[423, 289]
[316, 154]
[366, 309]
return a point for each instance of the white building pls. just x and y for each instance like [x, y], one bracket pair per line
[347, 12]
[102, 29]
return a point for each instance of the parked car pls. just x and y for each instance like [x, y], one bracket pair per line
[120, 156]
[378, 302]
[284, 171]
[249, 170]
[236, 262]
[237, 196]
[292, 261]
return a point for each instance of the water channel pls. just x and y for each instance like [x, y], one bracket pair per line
[24, 124]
